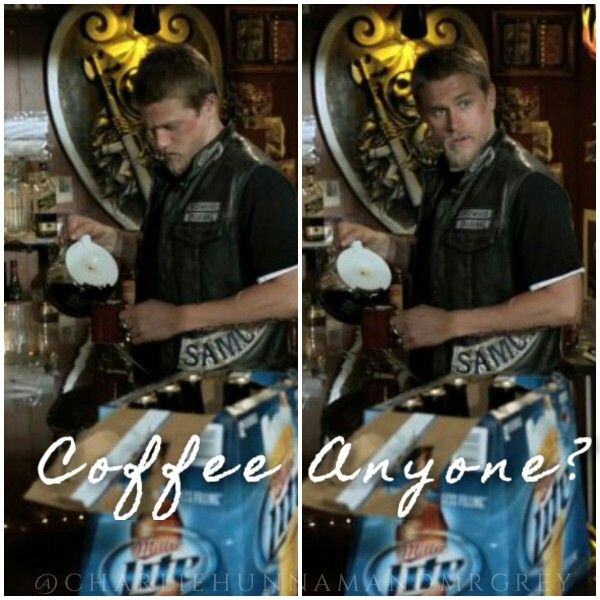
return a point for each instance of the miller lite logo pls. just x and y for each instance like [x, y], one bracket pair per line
[276, 515]
[434, 562]
[548, 507]
[281, 497]
[175, 561]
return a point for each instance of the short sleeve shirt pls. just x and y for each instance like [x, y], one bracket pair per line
[545, 245]
[269, 225]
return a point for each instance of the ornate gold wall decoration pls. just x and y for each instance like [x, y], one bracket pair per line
[94, 53]
[251, 108]
[517, 106]
[367, 113]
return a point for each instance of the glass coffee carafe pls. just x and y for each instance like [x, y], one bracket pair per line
[353, 280]
[83, 273]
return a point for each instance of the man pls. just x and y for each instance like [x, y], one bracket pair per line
[495, 268]
[218, 254]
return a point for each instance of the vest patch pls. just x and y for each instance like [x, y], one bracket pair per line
[474, 218]
[215, 349]
[203, 207]
[493, 355]
[201, 212]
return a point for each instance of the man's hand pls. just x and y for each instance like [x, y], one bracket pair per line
[377, 241]
[77, 226]
[152, 321]
[423, 326]
[121, 244]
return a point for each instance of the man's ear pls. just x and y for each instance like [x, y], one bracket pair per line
[211, 104]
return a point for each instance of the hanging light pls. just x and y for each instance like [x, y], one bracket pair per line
[145, 19]
[414, 22]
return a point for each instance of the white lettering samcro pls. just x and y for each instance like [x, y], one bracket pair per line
[213, 350]
[493, 355]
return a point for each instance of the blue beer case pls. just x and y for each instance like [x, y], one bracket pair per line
[474, 538]
[229, 537]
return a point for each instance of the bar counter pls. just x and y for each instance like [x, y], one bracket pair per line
[43, 546]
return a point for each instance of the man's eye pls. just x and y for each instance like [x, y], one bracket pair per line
[438, 112]
[464, 103]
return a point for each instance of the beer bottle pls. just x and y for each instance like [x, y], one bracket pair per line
[191, 393]
[15, 291]
[435, 401]
[44, 201]
[238, 386]
[456, 395]
[146, 401]
[169, 397]
[410, 405]
[502, 391]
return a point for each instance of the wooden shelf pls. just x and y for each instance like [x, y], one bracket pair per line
[28, 242]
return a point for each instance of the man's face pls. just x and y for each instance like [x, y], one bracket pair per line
[177, 132]
[460, 116]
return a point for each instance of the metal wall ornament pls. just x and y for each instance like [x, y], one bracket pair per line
[94, 53]
[367, 113]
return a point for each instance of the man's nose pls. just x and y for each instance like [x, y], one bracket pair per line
[453, 120]
[160, 139]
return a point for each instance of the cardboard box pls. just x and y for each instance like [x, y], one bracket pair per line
[229, 537]
[468, 537]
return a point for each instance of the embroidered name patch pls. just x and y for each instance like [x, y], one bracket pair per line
[205, 352]
[474, 218]
[492, 355]
[202, 212]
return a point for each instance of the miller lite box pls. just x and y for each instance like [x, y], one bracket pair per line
[441, 505]
[213, 508]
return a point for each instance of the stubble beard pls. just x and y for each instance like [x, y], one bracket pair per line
[176, 166]
[459, 161]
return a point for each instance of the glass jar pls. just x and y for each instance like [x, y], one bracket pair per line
[17, 206]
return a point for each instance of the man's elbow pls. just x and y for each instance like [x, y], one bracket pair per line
[288, 305]
[570, 302]
[571, 312]
[287, 296]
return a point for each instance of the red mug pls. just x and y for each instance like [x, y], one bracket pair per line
[375, 327]
[106, 325]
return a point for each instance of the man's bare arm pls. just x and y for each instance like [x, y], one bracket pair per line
[154, 320]
[552, 306]
[274, 299]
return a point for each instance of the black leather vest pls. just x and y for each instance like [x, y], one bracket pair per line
[191, 253]
[471, 263]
